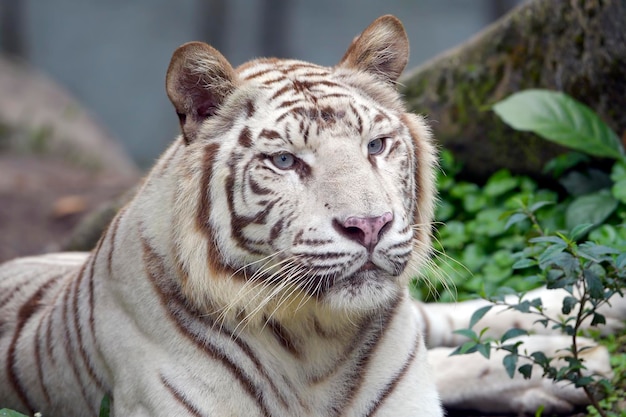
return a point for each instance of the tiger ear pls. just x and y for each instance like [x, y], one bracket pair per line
[198, 81]
[382, 49]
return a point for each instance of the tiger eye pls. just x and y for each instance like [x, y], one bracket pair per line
[376, 146]
[284, 160]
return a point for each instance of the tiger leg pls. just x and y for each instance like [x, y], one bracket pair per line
[495, 391]
[440, 320]
[472, 382]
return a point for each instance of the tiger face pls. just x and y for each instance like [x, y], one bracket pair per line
[316, 185]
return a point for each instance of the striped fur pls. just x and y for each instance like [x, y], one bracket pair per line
[261, 268]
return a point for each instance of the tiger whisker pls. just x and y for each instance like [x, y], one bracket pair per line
[251, 283]
[278, 284]
[286, 297]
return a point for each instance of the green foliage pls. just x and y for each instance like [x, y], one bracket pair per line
[576, 243]
[476, 242]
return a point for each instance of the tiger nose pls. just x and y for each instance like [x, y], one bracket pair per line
[364, 230]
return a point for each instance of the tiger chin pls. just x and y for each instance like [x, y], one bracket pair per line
[261, 268]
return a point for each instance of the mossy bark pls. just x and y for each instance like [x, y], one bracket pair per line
[575, 46]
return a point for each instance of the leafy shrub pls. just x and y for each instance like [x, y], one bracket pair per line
[579, 245]
[476, 243]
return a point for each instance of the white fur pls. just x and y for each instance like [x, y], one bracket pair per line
[204, 296]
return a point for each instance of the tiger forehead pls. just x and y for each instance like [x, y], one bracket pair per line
[311, 96]
[285, 80]
[266, 69]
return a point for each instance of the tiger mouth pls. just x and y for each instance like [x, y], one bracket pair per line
[368, 266]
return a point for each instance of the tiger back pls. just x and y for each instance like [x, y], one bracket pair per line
[261, 268]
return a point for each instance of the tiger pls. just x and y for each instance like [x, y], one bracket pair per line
[261, 268]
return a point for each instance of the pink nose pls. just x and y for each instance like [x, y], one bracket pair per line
[364, 230]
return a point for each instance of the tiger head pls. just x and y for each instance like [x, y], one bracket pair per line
[302, 184]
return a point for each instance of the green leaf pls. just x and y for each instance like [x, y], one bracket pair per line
[568, 330]
[469, 333]
[598, 319]
[479, 314]
[561, 163]
[593, 252]
[580, 230]
[618, 172]
[465, 348]
[500, 183]
[591, 208]
[514, 219]
[548, 239]
[523, 307]
[5, 412]
[580, 183]
[526, 370]
[561, 119]
[472, 203]
[484, 349]
[594, 284]
[511, 333]
[618, 175]
[550, 254]
[569, 303]
[513, 348]
[540, 409]
[619, 190]
[539, 205]
[563, 260]
[583, 381]
[510, 362]
[540, 358]
[105, 406]
[524, 263]
[621, 261]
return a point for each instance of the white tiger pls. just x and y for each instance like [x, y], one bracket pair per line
[261, 269]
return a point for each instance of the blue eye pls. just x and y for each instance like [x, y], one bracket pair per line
[376, 146]
[283, 160]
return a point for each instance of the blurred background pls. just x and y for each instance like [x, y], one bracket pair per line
[112, 55]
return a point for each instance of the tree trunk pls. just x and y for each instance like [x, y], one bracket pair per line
[575, 46]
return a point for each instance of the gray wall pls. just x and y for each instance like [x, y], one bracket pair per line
[113, 54]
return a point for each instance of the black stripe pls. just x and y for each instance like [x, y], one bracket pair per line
[38, 344]
[171, 299]
[180, 397]
[391, 385]
[67, 340]
[79, 332]
[259, 73]
[283, 337]
[375, 334]
[26, 311]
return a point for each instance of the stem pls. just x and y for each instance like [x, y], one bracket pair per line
[535, 222]
[580, 317]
